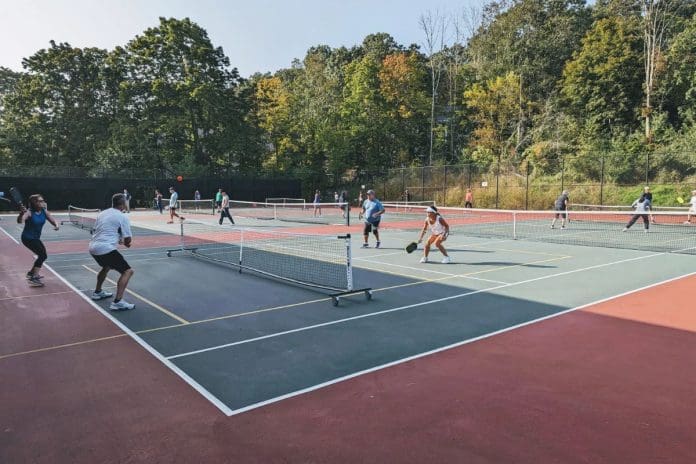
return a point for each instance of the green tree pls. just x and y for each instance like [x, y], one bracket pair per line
[602, 84]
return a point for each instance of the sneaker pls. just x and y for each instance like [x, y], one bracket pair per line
[446, 260]
[553, 227]
[647, 230]
[562, 227]
[37, 276]
[687, 222]
[122, 305]
[377, 245]
[424, 259]
[35, 282]
[366, 245]
[624, 229]
[101, 295]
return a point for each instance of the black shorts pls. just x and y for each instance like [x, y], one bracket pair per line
[561, 213]
[113, 260]
[370, 227]
[218, 203]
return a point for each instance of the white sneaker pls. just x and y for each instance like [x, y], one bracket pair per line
[122, 305]
[625, 229]
[424, 259]
[101, 295]
[446, 260]
[647, 230]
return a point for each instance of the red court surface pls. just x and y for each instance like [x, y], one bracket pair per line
[611, 383]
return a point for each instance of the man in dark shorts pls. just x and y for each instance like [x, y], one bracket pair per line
[561, 208]
[372, 214]
[111, 229]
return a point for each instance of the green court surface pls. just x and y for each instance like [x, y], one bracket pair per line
[244, 340]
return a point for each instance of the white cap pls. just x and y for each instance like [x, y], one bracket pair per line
[430, 209]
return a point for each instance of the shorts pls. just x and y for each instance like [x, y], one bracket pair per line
[113, 260]
[370, 227]
[561, 213]
[218, 203]
[172, 208]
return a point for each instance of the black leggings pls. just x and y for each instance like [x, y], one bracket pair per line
[635, 217]
[35, 245]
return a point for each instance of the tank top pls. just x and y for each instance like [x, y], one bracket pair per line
[436, 228]
[33, 225]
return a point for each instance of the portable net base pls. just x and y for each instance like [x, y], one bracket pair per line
[314, 261]
[83, 218]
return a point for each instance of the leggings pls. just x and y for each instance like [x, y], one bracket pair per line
[635, 218]
[35, 245]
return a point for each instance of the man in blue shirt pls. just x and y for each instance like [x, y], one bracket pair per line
[372, 214]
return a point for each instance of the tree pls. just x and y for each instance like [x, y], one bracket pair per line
[58, 111]
[602, 83]
[434, 28]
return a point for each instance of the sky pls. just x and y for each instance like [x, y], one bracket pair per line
[257, 35]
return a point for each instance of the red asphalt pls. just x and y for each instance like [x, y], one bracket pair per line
[612, 383]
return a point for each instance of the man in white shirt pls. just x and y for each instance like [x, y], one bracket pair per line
[225, 208]
[173, 204]
[111, 229]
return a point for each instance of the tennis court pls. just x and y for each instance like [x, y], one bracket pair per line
[534, 345]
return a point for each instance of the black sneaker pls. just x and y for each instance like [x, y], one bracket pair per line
[35, 282]
[366, 245]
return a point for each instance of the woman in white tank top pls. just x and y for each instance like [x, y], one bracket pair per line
[439, 230]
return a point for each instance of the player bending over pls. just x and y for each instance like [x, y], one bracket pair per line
[439, 230]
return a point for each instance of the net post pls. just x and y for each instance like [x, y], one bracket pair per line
[181, 236]
[349, 264]
[514, 225]
[241, 249]
[347, 212]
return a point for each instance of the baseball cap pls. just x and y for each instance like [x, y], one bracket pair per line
[370, 192]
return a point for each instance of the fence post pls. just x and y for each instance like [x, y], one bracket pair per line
[562, 173]
[422, 182]
[403, 179]
[526, 188]
[497, 181]
[647, 167]
[601, 182]
[444, 192]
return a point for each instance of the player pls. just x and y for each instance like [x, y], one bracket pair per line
[642, 207]
[225, 208]
[469, 199]
[561, 208]
[111, 229]
[439, 230]
[34, 219]
[317, 203]
[372, 214]
[173, 203]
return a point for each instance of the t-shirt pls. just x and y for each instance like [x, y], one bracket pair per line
[111, 225]
[371, 207]
[218, 196]
[641, 206]
[127, 194]
[561, 202]
[317, 198]
[225, 201]
[34, 224]
[197, 195]
[173, 200]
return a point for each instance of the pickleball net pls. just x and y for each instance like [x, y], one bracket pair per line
[84, 218]
[671, 231]
[288, 211]
[317, 261]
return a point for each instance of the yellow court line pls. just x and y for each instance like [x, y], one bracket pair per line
[35, 295]
[142, 298]
[232, 316]
[57, 347]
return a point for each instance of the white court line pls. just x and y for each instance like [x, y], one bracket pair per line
[445, 348]
[402, 308]
[183, 375]
[417, 269]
